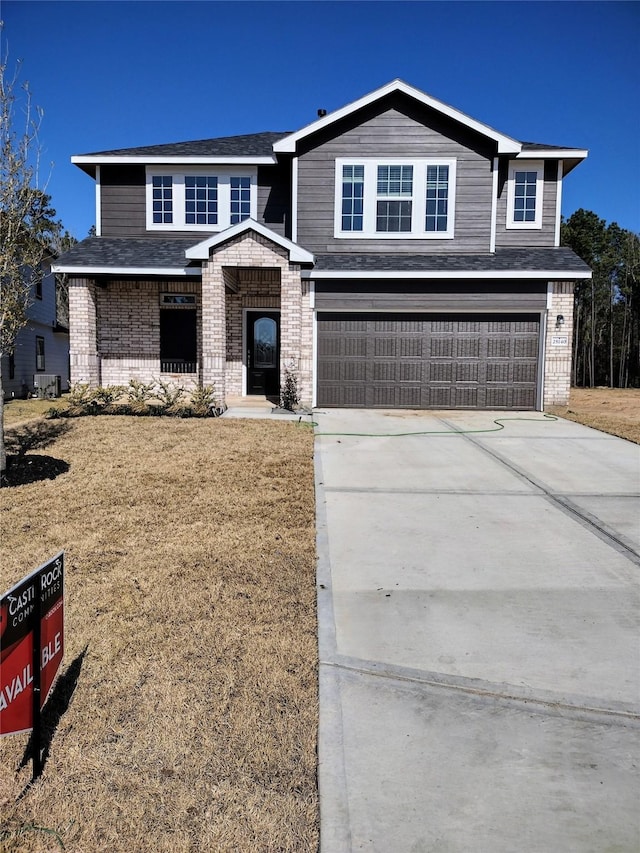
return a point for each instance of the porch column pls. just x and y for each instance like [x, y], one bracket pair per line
[214, 338]
[296, 330]
[83, 332]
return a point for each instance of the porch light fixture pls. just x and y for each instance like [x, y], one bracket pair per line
[559, 321]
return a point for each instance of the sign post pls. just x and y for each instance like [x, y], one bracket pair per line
[31, 650]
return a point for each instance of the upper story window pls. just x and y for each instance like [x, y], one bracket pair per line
[162, 194]
[352, 197]
[395, 198]
[240, 199]
[524, 195]
[200, 199]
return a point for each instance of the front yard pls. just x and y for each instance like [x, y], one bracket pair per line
[186, 715]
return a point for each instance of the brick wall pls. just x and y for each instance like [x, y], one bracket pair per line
[83, 351]
[558, 345]
[115, 330]
[264, 278]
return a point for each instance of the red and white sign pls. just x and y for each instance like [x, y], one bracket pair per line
[39, 594]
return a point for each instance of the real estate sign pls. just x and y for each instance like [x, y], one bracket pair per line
[32, 612]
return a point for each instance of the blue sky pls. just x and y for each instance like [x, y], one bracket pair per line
[120, 74]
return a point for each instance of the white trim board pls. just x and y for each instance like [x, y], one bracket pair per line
[546, 275]
[113, 271]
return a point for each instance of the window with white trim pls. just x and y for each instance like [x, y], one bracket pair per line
[395, 198]
[162, 204]
[200, 199]
[524, 194]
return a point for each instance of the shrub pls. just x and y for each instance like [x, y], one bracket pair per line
[139, 396]
[170, 397]
[81, 401]
[203, 401]
[289, 395]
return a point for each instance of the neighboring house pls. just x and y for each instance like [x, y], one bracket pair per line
[41, 349]
[393, 253]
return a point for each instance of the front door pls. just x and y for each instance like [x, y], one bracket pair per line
[263, 353]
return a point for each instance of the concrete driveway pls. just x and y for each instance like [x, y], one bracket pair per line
[480, 654]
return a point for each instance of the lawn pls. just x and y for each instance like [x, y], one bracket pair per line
[185, 718]
[612, 410]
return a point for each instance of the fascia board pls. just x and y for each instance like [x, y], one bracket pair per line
[553, 275]
[97, 270]
[554, 153]
[506, 145]
[297, 254]
[85, 159]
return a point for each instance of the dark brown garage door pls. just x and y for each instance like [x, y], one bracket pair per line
[428, 361]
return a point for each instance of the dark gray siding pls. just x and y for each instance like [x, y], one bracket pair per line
[123, 202]
[430, 296]
[398, 129]
[544, 236]
[274, 198]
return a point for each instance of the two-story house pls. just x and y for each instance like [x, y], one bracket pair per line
[393, 253]
[40, 359]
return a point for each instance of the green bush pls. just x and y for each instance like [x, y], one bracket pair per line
[137, 398]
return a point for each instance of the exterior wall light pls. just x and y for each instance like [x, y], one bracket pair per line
[559, 321]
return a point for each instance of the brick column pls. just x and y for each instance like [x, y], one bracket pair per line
[296, 330]
[83, 333]
[558, 345]
[214, 338]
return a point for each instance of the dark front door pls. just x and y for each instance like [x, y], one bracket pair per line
[263, 353]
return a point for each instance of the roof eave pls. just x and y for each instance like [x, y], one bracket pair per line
[96, 269]
[84, 160]
[542, 275]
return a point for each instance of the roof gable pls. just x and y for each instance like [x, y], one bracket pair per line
[297, 254]
[505, 144]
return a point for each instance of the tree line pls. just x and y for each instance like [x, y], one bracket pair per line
[606, 341]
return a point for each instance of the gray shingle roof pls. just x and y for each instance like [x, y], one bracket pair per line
[539, 146]
[503, 260]
[248, 145]
[169, 252]
[165, 252]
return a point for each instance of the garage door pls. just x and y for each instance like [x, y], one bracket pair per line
[428, 361]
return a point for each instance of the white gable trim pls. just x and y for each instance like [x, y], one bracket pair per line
[200, 252]
[506, 145]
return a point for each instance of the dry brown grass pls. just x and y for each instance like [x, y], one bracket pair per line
[612, 410]
[192, 718]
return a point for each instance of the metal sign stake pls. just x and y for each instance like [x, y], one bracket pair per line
[36, 738]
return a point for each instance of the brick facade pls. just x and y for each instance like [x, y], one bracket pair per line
[115, 329]
[251, 271]
[558, 344]
[83, 347]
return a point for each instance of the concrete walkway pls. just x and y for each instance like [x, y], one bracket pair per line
[480, 657]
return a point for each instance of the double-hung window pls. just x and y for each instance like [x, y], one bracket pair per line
[207, 198]
[524, 194]
[395, 198]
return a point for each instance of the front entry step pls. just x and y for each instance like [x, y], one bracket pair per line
[255, 401]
